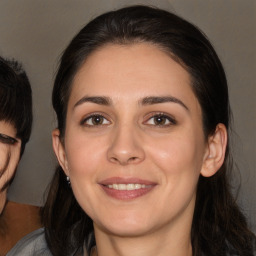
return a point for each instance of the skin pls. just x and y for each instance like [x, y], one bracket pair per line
[129, 142]
[9, 158]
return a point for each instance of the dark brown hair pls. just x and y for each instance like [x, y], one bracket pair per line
[219, 227]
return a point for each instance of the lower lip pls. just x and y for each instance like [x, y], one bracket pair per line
[126, 194]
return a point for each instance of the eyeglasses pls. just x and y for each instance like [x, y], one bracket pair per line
[7, 139]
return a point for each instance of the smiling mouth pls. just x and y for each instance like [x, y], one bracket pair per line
[130, 186]
[126, 188]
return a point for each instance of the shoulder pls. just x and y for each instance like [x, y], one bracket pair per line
[33, 244]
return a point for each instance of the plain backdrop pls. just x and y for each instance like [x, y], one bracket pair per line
[36, 32]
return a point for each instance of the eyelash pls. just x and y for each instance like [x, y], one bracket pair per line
[7, 140]
[88, 121]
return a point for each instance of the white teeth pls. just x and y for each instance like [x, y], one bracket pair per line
[130, 186]
[126, 186]
[121, 187]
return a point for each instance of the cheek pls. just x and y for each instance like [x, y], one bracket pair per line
[84, 155]
[8, 173]
[8, 163]
[179, 158]
[176, 152]
[178, 162]
[3, 156]
[5, 170]
[85, 158]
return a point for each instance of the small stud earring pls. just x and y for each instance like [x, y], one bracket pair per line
[68, 180]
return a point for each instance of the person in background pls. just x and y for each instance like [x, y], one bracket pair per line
[15, 129]
[15, 120]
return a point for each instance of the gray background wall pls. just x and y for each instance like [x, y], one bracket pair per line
[36, 32]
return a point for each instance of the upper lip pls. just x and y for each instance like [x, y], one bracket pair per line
[125, 180]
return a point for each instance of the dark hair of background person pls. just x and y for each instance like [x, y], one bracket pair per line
[16, 99]
[219, 227]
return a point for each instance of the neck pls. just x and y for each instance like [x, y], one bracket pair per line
[176, 242]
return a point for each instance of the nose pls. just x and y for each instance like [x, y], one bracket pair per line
[126, 146]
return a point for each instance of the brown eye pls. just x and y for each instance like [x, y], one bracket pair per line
[161, 120]
[95, 120]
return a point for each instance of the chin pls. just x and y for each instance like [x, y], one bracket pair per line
[126, 227]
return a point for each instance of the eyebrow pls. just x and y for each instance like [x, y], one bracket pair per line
[97, 100]
[157, 100]
[151, 100]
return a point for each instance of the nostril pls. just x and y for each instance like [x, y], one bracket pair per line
[114, 159]
[124, 161]
[132, 159]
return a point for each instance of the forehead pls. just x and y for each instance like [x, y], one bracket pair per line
[125, 70]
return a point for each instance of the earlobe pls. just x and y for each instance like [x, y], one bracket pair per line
[215, 152]
[59, 150]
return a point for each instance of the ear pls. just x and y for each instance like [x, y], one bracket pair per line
[215, 152]
[59, 151]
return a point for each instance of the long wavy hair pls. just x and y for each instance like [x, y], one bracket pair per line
[219, 227]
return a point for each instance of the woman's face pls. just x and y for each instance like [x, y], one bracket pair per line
[134, 141]
[9, 157]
